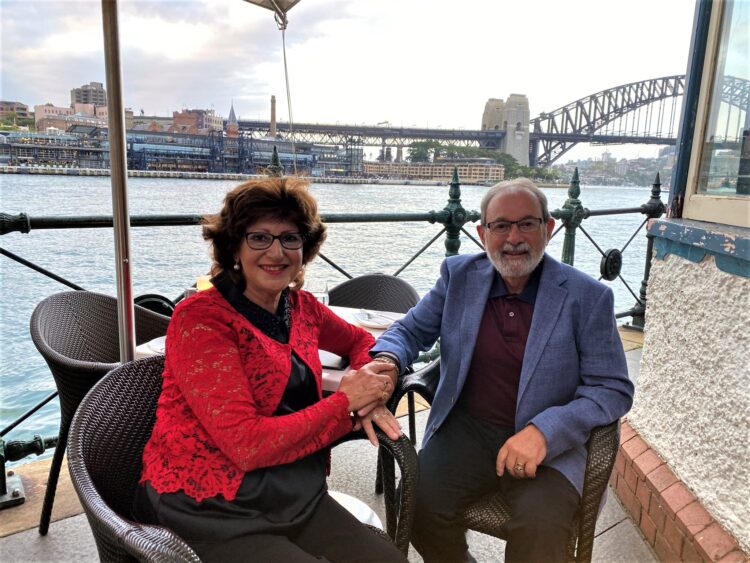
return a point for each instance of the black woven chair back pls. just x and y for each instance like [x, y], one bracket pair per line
[380, 292]
[105, 450]
[76, 332]
[114, 423]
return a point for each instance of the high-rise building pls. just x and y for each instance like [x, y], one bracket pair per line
[92, 93]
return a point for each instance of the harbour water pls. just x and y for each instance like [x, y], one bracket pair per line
[165, 260]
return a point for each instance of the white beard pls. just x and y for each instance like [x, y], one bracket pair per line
[516, 268]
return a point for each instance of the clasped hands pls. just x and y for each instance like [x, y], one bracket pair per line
[368, 389]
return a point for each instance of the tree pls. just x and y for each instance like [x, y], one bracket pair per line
[423, 151]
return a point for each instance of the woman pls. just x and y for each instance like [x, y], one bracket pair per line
[237, 461]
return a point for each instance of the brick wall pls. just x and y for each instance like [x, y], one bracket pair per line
[670, 517]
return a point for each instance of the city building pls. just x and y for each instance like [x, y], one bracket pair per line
[196, 122]
[49, 117]
[91, 93]
[469, 172]
[21, 111]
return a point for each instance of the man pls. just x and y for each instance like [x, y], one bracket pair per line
[531, 362]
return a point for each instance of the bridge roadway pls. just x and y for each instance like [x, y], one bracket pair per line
[643, 112]
[372, 135]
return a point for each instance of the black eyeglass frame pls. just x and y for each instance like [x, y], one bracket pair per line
[280, 238]
[510, 224]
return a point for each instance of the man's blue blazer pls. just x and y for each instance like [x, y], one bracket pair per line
[574, 375]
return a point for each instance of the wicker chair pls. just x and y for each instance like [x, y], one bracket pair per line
[77, 334]
[489, 514]
[107, 437]
[379, 292]
[375, 291]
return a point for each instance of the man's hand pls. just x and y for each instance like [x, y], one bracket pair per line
[522, 453]
[367, 387]
[380, 368]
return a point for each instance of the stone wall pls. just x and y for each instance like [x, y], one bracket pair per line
[692, 405]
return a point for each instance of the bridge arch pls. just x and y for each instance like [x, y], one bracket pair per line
[586, 120]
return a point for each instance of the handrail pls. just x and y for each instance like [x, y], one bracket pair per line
[453, 218]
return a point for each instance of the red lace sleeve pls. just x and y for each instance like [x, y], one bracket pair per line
[342, 338]
[232, 379]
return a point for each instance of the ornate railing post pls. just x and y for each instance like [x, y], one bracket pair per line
[571, 215]
[453, 216]
[653, 209]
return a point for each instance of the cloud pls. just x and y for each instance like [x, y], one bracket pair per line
[421, 62]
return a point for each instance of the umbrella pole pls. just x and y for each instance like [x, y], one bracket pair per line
[119, 175]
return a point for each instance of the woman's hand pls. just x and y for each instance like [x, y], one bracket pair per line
[369, 386]
[385, 421]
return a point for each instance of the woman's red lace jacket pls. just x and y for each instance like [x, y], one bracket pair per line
[223, 379]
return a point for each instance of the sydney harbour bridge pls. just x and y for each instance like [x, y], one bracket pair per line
[645, 112]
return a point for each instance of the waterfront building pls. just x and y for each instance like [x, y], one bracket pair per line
[195, 122]
[21, 111]
[50, 117]
[469, 172]
[91, 93]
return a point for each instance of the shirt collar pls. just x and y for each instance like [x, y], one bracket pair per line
[276, 326]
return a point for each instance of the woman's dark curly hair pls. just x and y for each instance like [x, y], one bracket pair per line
[281, 199]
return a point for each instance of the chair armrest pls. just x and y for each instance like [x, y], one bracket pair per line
[399, 508]
[157, 544]
[602, 451]
[399, 523]
[423, 381]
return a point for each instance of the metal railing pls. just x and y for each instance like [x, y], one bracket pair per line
[453, 217]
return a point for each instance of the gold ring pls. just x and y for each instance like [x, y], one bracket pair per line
[384, 397]
[519, 466]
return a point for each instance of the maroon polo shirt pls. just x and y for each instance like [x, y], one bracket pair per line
[491, 386]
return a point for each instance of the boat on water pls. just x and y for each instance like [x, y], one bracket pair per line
[683, 468]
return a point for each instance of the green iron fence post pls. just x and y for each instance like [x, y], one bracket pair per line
[571, 214]
[453, 216]
[653, 209]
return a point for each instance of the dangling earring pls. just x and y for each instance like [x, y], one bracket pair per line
[236, 266]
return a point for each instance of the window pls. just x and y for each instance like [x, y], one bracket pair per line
[719, 177]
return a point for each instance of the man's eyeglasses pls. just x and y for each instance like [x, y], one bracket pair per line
[525, 225]
[261, 241]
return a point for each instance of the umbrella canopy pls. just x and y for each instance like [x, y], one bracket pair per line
[281, 7]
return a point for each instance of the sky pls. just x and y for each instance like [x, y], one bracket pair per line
[424, 63]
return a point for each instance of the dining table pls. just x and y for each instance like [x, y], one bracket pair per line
[375, 322]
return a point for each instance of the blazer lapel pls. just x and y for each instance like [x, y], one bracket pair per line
[547, 306]
[476, 291]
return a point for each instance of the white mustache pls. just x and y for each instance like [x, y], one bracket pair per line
[520, 247]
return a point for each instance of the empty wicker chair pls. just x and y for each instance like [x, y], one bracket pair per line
[107, 438]
[380, 292]
[77, 334]
[375, 291]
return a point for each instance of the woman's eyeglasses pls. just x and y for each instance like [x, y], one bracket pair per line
[261, 241]
[526, 225]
